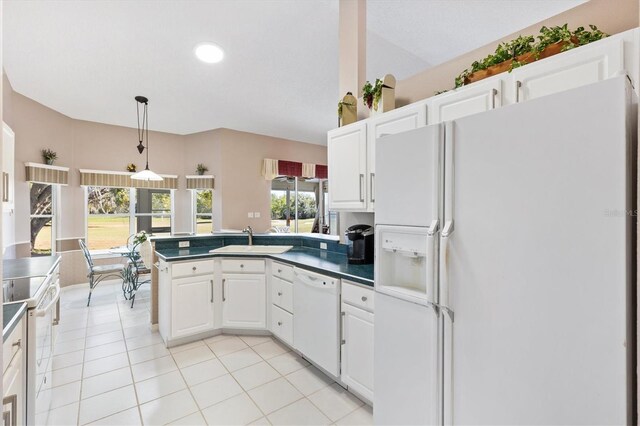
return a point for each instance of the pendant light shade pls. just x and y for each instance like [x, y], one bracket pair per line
[143, 134]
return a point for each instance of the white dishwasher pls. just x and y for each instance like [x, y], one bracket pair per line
[316, 325]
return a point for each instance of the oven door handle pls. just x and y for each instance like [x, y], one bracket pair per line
[43, 312]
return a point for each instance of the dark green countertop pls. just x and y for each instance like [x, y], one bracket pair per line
[28, 266]
[321, 261]
[11, 315]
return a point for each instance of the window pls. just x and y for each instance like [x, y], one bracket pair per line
[42, 218]
[203, 210]
[108, 218]
[297, 206]
[113, 214]
[153, 211]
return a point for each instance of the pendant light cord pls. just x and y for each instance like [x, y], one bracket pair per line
[146, 118]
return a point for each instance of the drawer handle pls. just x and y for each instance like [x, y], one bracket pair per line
[279, 322]
[279, 270]
[194, 268]
[279, 293]
[241, 265]
[364, 298]
[18, 343]
[224, 280]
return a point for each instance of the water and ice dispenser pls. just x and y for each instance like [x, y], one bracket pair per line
[403, 267]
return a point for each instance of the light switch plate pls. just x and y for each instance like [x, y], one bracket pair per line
[323, 246]
[256, 215]
[183, 244]
[250, 215]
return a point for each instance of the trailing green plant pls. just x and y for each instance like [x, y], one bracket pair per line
[372, 93]
[201, 169]
[528, 44]
[49, 156]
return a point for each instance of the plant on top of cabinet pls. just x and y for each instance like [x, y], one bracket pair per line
[49, 156]
[525, 49]
[381, 94]
[347, 110]
[201, 169]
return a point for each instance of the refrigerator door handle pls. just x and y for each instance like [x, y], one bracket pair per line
[431, 260]
[447, 230]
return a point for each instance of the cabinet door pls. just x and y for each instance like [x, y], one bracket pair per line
[478, 97]
[357, 350]
[347, 157]
[390, 123]
[192, 305]
[243, 301]
[568, 70]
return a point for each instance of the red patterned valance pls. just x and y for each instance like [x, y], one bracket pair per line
[289, 168]
[273, 168]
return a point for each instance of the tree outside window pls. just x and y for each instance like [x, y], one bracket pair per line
[42, 219]
[203, 217]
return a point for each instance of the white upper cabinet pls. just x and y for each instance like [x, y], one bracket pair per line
[477, 97]
[577, 67]
[8, 155]
[396, 121]
[347, 158]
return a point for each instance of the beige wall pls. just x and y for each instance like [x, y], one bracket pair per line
[233, 157]
[611, 16]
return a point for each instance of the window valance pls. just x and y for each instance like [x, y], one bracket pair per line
[44, 173]
[273, 168]
[200, 182]
[123, 180]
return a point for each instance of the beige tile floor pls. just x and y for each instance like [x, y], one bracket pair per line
[111, 369]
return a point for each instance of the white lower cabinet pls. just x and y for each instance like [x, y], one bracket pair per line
[192, 299]
[185, 299]
[357, 339]
[14, 376]
[282, 324]
[244, 298]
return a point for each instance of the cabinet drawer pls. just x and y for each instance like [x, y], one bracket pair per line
[282, 293]
[13, 344]
[283, 271]
[357, 296]
[242, 265]
[187, 269]
[282, 324]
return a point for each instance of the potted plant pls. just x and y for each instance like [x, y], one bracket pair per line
[201, 169]
[371, 94]
[49, 156]
[131, 167]
[525, 49]
[380, 97]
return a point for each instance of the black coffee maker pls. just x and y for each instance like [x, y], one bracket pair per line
[360, 244]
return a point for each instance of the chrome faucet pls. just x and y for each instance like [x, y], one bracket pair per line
[249, 231]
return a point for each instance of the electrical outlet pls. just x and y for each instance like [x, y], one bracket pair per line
[183, 244]
[323, 246]
[256, 215]
[250, 215]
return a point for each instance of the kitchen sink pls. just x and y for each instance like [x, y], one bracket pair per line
[243, 249]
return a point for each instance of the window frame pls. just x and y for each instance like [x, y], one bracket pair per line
[320, 206]
[132, 214]
[55, 208]
[194, 210]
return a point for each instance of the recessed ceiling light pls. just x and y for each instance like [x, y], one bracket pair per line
[209, 53]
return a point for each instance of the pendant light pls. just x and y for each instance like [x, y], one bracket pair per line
[143, 130]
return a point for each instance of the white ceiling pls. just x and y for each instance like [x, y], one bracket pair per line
[88, 59]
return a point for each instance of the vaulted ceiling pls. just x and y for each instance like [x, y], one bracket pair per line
[88, 59]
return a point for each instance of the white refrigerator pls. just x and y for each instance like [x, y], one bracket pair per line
[505, 265]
